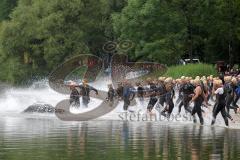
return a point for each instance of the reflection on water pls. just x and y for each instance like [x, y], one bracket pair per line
[48, 138]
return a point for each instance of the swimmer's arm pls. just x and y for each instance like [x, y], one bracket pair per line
[216, 92]
[197, 93]
[94, 89]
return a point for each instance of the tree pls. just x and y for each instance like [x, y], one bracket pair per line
[41, 34]
[166, 30]
[222, 26]
[6, 7]
[192, 12]
[154, 27]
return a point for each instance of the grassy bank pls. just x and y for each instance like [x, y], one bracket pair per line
[191, 70]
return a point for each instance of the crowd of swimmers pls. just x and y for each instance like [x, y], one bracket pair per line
[161, 92]
[84, 93]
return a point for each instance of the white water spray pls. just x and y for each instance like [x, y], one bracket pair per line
[15, 100]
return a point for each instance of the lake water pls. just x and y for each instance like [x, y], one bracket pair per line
[24, 137]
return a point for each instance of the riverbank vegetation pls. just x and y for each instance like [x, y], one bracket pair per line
[38, 35]
[191, 70]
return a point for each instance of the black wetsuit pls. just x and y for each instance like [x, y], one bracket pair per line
[140, 93]
[119, 92]
[169, 100]
[180, 95]
[162, 93]
[236, 98]
[153, 99]
[128, 95]
[197, 107]
[74, 98]
[220, 107]
[221, 77]
[210, 88]
[110, 96]
[170, 93]
[229, 90]
[187, 89]
[85, 91]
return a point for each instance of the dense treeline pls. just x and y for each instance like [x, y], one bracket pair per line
[166, 29]
[41, 34]
[6, 7]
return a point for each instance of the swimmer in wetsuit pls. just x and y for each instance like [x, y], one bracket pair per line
[74, 97]
[170, 94]
[197, 99]
[187, 89]
[85, 92]
[152, 94]
[128, 95]
[110, 95]
[220, 103]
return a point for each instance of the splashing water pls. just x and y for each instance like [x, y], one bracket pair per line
[15, 100]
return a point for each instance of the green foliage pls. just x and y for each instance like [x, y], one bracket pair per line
[39, 34]
[6, 6]
[222, 22]
[191, 70]
[42, 34]
[154, 27]
[8, 75]
[164, 30]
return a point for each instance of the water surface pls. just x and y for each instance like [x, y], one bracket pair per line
[24, 137]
